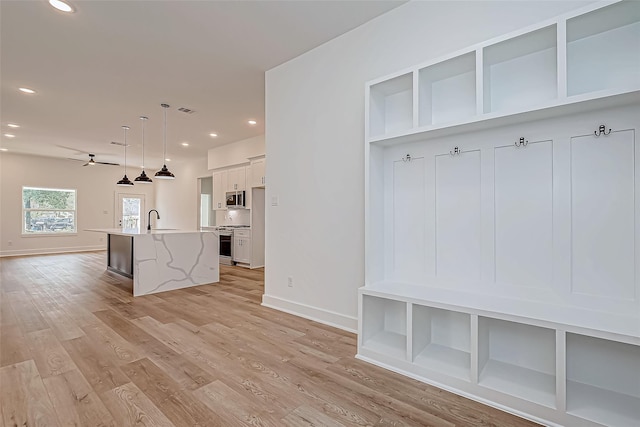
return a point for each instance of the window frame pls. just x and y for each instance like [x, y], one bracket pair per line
[49, 233]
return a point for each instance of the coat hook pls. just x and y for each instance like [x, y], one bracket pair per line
[406, 158]
[601, 131]
[456, 151]
[521, 143]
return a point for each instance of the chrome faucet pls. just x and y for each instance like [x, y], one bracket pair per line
[149, 218]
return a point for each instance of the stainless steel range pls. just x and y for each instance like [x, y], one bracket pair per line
[226, 242]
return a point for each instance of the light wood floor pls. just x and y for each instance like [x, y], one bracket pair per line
[77, 349]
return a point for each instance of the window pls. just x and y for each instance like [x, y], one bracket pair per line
[48, 211]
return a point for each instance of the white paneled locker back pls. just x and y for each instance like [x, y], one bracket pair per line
[543, 211]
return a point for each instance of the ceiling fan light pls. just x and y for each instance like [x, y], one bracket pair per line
[164, 173]
[143, 178]
[91, 162]
[124, 182]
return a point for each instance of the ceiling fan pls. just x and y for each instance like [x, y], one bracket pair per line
[92, 161]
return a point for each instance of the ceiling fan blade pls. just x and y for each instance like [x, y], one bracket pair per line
[107, 163]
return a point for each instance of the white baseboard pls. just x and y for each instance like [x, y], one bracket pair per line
[327, 317]
[49, 251]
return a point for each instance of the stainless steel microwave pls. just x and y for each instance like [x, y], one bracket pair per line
[236, 200]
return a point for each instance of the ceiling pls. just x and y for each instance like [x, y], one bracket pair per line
[110, 62]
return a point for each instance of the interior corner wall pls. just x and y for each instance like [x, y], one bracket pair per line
[315, 143]
[236, 153]
[96, 188]
[177, 200]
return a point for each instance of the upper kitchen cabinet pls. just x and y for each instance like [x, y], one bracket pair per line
[257, 172]
[219, 190]
[237, 179]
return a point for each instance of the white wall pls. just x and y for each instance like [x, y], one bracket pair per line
[236, 153]
[315, 143]
[96, 188]
[177, 200]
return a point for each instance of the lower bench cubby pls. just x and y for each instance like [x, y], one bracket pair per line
[518, 359]
[603, 380]
[384, 326]
[441, 341]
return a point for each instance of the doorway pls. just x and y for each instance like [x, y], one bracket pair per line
[129, 212]
[206, 214]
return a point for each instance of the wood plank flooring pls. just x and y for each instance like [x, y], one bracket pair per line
[76, 349]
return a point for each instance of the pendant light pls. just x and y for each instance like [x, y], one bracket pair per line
[125, 182]
[164, 172]
[143, 178]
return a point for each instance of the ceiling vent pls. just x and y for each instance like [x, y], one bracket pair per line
[186, 110]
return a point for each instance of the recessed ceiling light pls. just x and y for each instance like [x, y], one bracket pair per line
[213, 135]
[252, 122]
[9, 135]
[26, 90]
[167, 160]
[4, 149]
[13, 125]
[61, 5]
[185, 144]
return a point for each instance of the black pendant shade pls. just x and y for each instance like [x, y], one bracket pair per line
[124, 181]
[143, 178]
[164, 172]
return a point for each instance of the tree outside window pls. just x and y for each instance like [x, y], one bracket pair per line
[48, 210]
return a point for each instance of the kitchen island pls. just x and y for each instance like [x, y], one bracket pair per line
[163, 260]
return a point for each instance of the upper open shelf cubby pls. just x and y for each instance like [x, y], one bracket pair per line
[603, 49]
[521, 72]
[391, 106]
[448, 90]
[542, 69]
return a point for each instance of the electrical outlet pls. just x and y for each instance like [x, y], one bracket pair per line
[10, 243]
[101, 239]
[290, 282]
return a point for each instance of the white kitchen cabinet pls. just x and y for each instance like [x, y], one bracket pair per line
[237, 179]
[242, 246]
[257, 172]
[219, 190]
[502, 220]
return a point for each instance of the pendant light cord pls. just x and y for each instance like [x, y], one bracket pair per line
[144, 119]
[125, 148]
[164, 151]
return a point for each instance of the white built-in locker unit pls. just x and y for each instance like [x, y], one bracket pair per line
[503, 220]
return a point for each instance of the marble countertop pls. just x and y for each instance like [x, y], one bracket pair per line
[124, 232]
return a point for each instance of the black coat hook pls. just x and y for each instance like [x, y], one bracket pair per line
[456, 151]
[406, 158]
[521, 143]
[601, 131]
